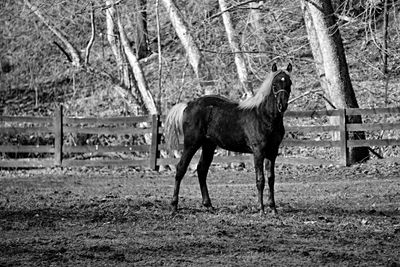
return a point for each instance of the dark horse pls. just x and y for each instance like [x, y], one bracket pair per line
[252, 126]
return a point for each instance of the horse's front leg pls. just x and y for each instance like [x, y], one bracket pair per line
[270, 169]
[260, 179]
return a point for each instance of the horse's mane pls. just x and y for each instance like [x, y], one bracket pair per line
[263, 91]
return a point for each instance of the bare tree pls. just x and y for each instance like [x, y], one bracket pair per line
[112, 37]
[141, 33]
[193, 52]
[75, 57]
[315, 49]
[339, 88]
[71, 52]
[385, 38]
[234, 44]
[137, 71]
[255, 16]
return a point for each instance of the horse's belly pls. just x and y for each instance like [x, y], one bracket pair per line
[240, 149]
[231, 143]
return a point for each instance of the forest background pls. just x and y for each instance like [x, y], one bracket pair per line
[36, 75]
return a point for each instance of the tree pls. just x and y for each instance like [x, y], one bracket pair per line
[234, 44]
[75, 57]
[193, 52]
[72, 53]
[255, 16]
[315, 49]
[137, 71]
[141, 33]
[339, 89]
[112, 37]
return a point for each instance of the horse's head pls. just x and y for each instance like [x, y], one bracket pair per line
[281, 87]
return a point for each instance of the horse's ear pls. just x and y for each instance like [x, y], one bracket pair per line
[274, 67]
[289, 67]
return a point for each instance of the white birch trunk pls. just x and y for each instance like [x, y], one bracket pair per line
[235, 47]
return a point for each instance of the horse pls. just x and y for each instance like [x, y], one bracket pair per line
[254, 125]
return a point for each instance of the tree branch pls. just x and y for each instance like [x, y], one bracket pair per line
[232, 7]
[92, 37]
[63, 51]
[73, 52]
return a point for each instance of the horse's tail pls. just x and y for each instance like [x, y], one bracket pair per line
[173, 126]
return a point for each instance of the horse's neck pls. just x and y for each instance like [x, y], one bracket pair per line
[269, 111]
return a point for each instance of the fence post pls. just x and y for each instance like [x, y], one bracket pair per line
[155, 124]
[58, 135]
[344, 151]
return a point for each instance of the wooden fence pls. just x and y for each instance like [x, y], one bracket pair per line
[54, 141]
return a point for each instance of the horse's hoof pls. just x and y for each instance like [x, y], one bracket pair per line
[274, 212]
[210, 209]
[174, 213]
[174, 209]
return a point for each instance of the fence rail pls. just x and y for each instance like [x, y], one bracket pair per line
[60, 152]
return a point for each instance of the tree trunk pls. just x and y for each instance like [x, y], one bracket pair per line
[196, 58]
[339, 88]
[113, 41]
[315, 49]
[234, 44]
[159, 105]
[141, 33]
[318, 63]
[137, 71]
[385, 38]
[255, 17]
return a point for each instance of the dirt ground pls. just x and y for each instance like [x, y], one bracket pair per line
[121, 217]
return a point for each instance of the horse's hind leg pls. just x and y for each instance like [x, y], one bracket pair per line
[181, 169]
[202, 170]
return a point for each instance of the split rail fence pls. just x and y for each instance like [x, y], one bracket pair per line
[57, 139]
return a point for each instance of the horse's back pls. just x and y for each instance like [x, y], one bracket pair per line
[214, 101]
[208, 107]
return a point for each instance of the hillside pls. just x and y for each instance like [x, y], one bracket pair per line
[35, 76]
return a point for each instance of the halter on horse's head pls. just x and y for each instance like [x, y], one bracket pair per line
[281, 87]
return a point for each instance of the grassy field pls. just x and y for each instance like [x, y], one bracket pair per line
[120, 217]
